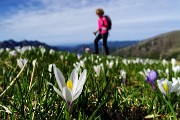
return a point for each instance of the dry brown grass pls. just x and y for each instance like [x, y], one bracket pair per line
[178, 62]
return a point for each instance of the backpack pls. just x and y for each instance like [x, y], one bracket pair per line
[109, 22]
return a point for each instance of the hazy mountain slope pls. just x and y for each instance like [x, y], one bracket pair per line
[12, 44]
[165, 45]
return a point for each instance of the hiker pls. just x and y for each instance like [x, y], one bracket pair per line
[102, 31]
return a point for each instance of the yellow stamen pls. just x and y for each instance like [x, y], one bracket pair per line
[165, 86]
[69, 84]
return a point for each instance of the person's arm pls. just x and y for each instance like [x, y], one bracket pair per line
[105, 23]
[95, 32]
[98, 29]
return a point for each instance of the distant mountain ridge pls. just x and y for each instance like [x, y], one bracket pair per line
[163, 46]
[113, 45]
[12, 44]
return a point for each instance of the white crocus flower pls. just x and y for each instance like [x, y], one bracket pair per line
[164, 62]
[122, 74]
[29, 48]
[61, 57]
[128, 61]
[167, 72]
[21, 62]
[77, 66]
[176, 84]
[74, 87]
[164, 86]
[173, 62]
[145, 72]
[85, 59]
[81, 63]
[102, 66]
[12, 53]
[7, 49]
[34, 62]
[18, 49]
[96, 61]
[176, 69]
[1, 50]
[109, 64]
[97, 69]
[124, 61]
[24, 49]
[43, 50]
[87, 49]
[51, 51]
[50, 70]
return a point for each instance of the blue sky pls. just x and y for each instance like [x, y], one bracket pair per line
[69, 22]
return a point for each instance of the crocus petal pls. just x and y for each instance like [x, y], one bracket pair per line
[147, 79]
[55, 89]
[67, 94]
[97, 69]
[74, 78]
[173, 61]
[81, 80]
[154, 87]
[20, 64]
[77, 94]
[34, 62]
[152, 75]
[169, 83]
[59, 77]
[175, 86]
[50, 67]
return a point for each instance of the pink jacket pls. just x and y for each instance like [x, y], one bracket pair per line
[102, 25]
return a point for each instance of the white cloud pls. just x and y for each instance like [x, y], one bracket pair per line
[70, 21]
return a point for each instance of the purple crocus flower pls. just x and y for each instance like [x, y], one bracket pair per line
[79, 56]
[151, 77]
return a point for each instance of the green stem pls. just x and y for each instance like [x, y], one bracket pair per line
[171, 108]
[152, 103]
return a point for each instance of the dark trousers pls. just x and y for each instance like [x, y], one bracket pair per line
[104, 37]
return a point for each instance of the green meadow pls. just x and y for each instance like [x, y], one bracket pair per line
[115, 88]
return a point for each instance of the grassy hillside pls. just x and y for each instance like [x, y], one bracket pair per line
[165, 45]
